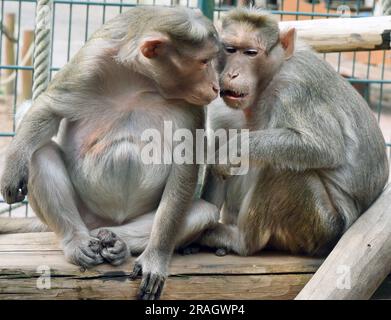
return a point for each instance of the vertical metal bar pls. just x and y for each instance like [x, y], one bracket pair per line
[52, 40]
[367, 89]
[380, 105]
[312, 8]
[104, 12]
[87, 21]
[69, 31]
[1, 30]
[16, 71]
[121, 7]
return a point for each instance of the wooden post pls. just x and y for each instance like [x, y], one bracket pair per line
[9, 24]
[360, 261]
[27, 75]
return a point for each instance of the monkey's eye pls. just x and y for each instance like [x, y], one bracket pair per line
[205, 61]
[250, 52]
[230, 49]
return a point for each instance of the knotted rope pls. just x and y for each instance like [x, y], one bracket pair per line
[42, 44]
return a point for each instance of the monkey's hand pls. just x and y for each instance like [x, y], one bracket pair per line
[113, 249]
[153, 268]
[13, 183]
[229, 164]
[83, 251]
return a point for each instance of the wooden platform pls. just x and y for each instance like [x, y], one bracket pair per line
[199, 276]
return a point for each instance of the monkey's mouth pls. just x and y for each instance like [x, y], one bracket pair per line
[231, 94]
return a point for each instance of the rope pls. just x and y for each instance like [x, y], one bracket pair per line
[42, 47]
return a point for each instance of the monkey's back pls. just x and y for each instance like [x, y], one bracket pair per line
[310, 82]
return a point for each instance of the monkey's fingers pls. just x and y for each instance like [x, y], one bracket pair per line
[221, 252]
[115, 258]
[87, 258]
[151, 287]
[137, 271]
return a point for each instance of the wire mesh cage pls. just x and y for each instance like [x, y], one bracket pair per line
[73, 21]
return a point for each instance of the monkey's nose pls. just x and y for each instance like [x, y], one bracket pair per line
[215, 88]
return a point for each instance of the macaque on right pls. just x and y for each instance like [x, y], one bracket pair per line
[317, 156]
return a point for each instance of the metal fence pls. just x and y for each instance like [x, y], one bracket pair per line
[73, 21]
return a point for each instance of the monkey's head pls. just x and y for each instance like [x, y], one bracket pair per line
[176, 48]
[254, 49]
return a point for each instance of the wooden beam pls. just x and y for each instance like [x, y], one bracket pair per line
[360, 261]
[27, 75]
[200, 276]
[344, 34]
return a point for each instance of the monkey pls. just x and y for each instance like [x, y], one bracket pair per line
[316, 154]
[77, 149]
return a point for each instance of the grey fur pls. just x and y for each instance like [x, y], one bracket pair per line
[91, 177]
[317, 155]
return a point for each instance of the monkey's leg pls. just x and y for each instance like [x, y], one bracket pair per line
[135, 235]
[53, 199]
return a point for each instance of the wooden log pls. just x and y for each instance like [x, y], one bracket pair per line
[9, 24]
[27, 75]
[360, 261]
[200, 276]
[344, 34]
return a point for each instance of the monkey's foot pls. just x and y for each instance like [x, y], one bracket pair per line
[113, 249]
[221, 252]
[83, 252]
[153, 276]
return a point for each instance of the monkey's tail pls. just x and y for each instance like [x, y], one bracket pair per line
[22, 225]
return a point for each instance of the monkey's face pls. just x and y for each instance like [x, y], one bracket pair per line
[245, 64]
[185, 72]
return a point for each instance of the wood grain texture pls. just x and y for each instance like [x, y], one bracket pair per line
[360, 261]
[344, 34]
[199, 276]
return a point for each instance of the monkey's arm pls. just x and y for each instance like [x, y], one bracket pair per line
[308, 141]
[214, 189]
[38, 126]
[176, 199]
[309, 147]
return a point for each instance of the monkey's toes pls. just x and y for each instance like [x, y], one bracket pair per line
[113, 249]
[84, 252]
[151, 286]
[137, 271]
[107, 237]
[221, 252]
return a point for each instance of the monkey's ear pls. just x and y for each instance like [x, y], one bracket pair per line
[152, 47]
[288, 39]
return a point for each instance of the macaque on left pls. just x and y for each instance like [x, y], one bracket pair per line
[90, 185]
